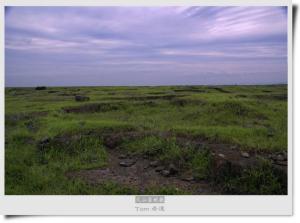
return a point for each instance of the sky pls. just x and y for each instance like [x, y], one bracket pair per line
[109, 46]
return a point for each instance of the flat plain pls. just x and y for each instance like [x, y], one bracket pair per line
[146, 140]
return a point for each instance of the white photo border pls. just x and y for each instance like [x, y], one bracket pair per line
[125, 204]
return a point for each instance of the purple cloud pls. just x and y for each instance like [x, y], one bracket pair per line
[145, 45]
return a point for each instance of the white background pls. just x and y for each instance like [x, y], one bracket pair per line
[295, 218]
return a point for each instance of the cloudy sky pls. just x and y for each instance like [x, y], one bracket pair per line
[75, 46]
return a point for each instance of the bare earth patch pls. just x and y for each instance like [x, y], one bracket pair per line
[140, 175]
[144, 172]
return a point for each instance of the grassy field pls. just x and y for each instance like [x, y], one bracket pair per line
[204, 139]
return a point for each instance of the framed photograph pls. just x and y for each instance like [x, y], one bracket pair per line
[146, 107]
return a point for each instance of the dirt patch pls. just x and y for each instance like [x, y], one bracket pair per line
[140, 175]
[113, 140]
[143, 171]
[92, 108]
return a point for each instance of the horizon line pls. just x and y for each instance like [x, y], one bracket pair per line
[204, 85]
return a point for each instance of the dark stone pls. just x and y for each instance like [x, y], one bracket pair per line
[188, 178]
[245, 154]
[165, 173]
[233, 147]
[280, 157]
[221, 155]
[127, 163]
[42, 144]
[172, 169]
[45, 140]
[81, 98]
[154, 163]
[159, 168]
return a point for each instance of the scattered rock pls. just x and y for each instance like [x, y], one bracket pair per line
[127, 163]
[188, 178]
[154, 163]
[172, 169]
[245, 154]
[165, 173]
[233, 147]
[45, 140]
[280, 157]
[221, 155]
[42, 144]
[81, 98]
[159, 168]
[40, 88]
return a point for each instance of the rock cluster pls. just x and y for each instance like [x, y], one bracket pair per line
[127, 162]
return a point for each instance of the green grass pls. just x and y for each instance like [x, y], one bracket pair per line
[166, 150]
[254, 118]
[80, 152]
[262, 179]
[201, 164]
